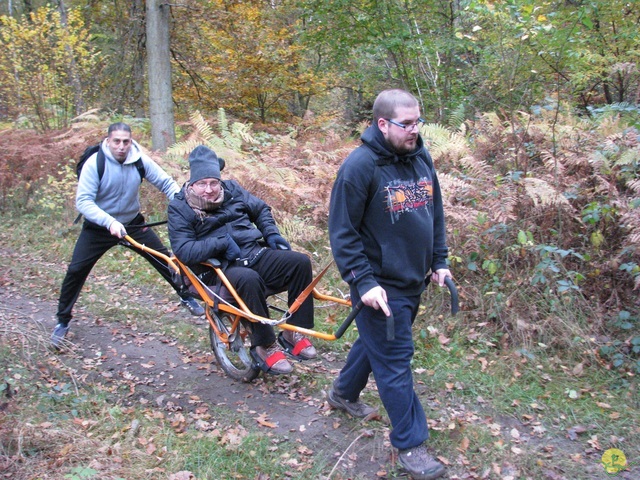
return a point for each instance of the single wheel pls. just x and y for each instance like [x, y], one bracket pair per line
[234, 357]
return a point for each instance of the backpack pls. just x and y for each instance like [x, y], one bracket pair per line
[90, 150]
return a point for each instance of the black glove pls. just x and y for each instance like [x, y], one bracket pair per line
[233, 250]
[277, 242]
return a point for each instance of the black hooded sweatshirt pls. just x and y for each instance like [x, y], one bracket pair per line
[386, 220]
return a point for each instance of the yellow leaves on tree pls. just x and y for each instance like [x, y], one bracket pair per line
[247, 57]
[46, 64]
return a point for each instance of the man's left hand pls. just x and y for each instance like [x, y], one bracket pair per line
[439, 275]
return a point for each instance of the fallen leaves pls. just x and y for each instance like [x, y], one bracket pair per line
[233, 436]
[263, 420]
[576, 430]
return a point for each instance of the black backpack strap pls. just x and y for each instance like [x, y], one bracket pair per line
[100, 164]
[101, 160]
[140, 166]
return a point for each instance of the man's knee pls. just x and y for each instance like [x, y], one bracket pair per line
[247, 279]
[80, 268]
[300, 262]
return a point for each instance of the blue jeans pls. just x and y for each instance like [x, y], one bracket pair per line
[390, 363]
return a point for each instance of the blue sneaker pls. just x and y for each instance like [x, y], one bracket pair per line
[59, 332]
[194, 307]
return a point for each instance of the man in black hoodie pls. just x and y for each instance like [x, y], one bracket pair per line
[387, 233]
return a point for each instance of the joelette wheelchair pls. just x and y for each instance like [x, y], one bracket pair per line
[230, 320]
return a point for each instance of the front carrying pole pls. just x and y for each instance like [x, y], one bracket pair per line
[306, 292]
[144, 248]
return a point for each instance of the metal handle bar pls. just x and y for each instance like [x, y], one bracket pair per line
[146, 225]
[347, 321]
[455, 305]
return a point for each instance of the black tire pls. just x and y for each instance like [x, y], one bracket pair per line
[235, 358]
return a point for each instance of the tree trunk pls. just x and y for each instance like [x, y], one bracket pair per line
[138, 26]
[159, 64]
[78, 104]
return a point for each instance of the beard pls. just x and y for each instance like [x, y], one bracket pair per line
[403, 146]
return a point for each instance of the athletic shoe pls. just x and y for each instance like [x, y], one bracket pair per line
[419, 464]
[355, 409]
[272, 359]
[59, 332]
[194, 307]
[297, 345]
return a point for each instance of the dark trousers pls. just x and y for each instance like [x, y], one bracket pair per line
[275, 271]
[93, 242]
[390, 362]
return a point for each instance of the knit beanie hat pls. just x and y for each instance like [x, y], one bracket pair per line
[204, 163]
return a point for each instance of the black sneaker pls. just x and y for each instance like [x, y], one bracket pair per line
[59, 332]
[355, 409]
[419, 464]
[194, 307]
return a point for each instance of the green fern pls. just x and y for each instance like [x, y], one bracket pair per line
[435, 134]
[456, 117]
[442, 142]
[630, 157]
[223, 123]
[229, 138]
[243, 131]
[202, 127]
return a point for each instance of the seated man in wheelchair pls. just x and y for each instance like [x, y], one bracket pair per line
[215, 218]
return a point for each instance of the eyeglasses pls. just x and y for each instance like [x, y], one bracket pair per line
[200, 185]
[407, 126]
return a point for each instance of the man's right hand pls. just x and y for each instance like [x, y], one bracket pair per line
[376, 298]
[233, 251]
[117, 229]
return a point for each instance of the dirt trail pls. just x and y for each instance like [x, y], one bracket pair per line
[148, 368]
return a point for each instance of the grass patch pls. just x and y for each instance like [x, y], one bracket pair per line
[507, 408]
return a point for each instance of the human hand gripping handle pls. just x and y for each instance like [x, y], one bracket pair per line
[376, 298]
[440, 275]
[233, 251]
[277, 242]
[117, 229]
[443, 277]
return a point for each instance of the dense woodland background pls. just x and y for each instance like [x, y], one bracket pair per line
[532, 111]
[275, 61]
